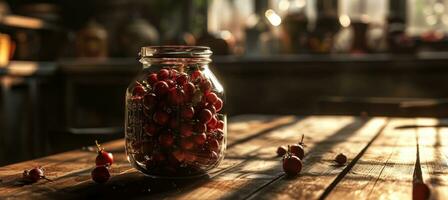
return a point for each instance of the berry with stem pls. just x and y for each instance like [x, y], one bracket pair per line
[103, 157]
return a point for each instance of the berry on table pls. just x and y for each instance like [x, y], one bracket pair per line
[103, 158]
[292, 165]
[297, 149]
[420, 191]
[341, 159]
[281, 151]
[34, 175]
[100, 174]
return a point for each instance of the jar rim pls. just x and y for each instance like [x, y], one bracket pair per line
[174, 51]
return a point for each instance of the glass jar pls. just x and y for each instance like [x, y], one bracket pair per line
[175, 123]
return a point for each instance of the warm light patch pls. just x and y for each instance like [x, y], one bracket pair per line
[344, 20]
[273, 18]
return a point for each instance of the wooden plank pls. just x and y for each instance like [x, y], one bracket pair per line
[319, 169]
[433, 151]
[385, 171]
[73, 168]
[259, 164]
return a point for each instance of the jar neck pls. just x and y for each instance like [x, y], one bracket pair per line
[174, 62]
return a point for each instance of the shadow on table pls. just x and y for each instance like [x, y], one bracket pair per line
[255, 187]
[134, 185]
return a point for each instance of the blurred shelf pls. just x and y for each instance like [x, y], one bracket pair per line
[29, 68]
[18, 21]
[368, 62]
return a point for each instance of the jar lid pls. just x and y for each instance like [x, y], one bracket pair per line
[176, 52]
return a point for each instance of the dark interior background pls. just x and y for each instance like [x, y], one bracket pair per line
[66, 102]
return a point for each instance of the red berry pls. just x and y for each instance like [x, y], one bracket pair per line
[35, 174]
[292, 165]
[170, 83]
[201, 105]
[297, 150]
[186, 130]
[281, 151]
[213, 157]
[187, 112]
[219, 135]
[218, 105]
[420, 191]
[220, 125]
[189, 88]
[182, 79]
[341, 159]
[186, 143]
[211, 108]
[149, 100]
[138, 90]
[212, 124]
[103, 157]
[161, 88]
[214, 145]
[189, 157]
[152, 78]
[200, 138]
[176, 96]
[206, 86]
[174, 123]
[166, 140]
[161, 117]
[100, 174]
[196, 75]
[200, 128]
[173, 73]
[150, 129]
[179, 155]
[211, 97]
[163, 74]
[205, 116]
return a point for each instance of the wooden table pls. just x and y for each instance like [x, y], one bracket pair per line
[386, 155]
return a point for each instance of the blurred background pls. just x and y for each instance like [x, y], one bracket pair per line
[65, 65]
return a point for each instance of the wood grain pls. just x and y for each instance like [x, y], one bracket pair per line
[259, 165]
[382, 157]
[433, 151]
[70, 171]
[385, 171]
[319, 168]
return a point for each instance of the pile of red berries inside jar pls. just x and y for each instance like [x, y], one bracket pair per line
[174, 123]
